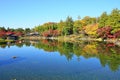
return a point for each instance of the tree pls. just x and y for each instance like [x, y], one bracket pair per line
[103, 20]
[104, 32]
[77, 26]
[68, 26]
[91, 30]
[117, 34]
[61, 26]
[19, 30]
[2, 34]
[89, 20]
[27, 30]
[114, 20]
[2, 29]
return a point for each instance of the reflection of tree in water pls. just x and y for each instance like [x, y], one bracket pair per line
[3, 45]
[108, 55]
[77, 49]
[27, 44]
[113, 61]
[49, 46]
[90, 50]
[67, 50]
[17, 43]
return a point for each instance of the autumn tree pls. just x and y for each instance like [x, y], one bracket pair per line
[104, 32]
[91, 30]
[89, 20]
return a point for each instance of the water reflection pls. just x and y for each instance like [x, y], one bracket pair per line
[10, 61]
[107, 53]
[17, 43]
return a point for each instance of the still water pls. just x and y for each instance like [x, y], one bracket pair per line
[53, 60]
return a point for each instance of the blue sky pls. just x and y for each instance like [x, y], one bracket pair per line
[30, 13]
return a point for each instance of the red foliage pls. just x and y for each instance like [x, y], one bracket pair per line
[9, 33]
[56, 33]
[18, 33]
[2, 33]
[104, 32]
[110, 45]
[45, 34]
[111, 36]
[117, 34]
[51, 33]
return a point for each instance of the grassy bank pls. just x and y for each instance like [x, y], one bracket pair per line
[3, 41]
[70, 38]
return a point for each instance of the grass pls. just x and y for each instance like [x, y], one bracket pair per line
[9, 40]
[5, 41]
[2, 41]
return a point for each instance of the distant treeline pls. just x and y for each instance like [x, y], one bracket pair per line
[4, 33]
[26, 30]
[104, 26]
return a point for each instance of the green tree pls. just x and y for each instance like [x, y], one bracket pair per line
[77, 26]
[19, 30]
[27, 30]
[2, 28]
[103, 19]
[89, 20]
[69, 26]
[61, 26]
[114, 20]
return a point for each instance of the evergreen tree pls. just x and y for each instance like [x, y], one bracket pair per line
[103, 20]
[114, 20]
[69, 26]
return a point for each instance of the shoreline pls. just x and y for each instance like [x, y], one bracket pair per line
[71, 39]
[75, 40]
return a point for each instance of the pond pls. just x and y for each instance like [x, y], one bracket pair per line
[54, 60]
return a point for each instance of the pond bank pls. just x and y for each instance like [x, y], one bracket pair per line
[72, 38]
[5, 41]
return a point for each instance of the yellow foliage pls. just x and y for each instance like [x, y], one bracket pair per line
[91, 49]
[82, 21]
[91, 29]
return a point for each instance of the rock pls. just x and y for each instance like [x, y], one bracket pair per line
[14, 57]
